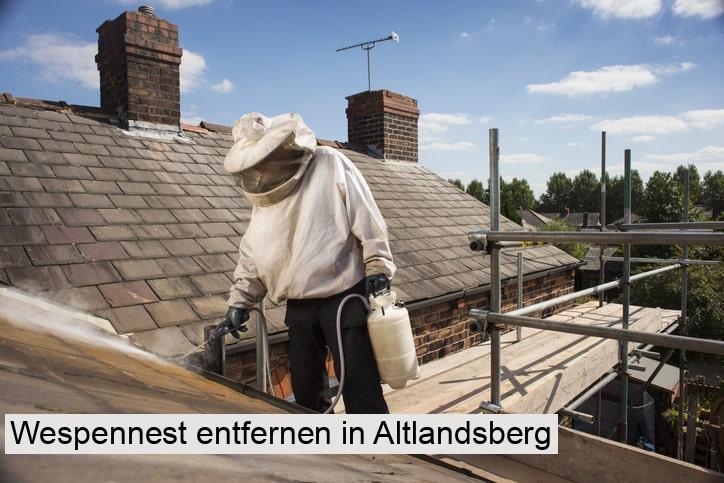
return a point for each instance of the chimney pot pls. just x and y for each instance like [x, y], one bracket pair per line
[145, 9]
[384, 121]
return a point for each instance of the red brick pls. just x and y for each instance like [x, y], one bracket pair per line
[128, 293]
[99, 251]
[129, 319]
[61, 234]
[91, 273]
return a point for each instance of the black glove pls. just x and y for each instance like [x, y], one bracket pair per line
[234, 322]
[376, 284]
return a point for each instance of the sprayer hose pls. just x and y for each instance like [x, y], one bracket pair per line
[341, 374]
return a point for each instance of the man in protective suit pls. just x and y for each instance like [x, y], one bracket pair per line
[315, 236]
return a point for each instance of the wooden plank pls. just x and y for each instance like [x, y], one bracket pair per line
[541, 373]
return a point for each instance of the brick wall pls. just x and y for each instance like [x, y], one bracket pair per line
[439, 329]
[138, 59]
[386, 121]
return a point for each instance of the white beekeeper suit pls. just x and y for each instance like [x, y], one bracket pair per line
[315, 229]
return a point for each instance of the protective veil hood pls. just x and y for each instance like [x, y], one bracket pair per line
[269, 155]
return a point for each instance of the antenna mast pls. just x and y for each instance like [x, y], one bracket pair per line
[367, 46]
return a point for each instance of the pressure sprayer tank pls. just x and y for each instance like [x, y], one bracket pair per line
[391, 337]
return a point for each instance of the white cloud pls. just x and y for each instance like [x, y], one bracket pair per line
[611, 78]
[224, 86]
[698, 8]
[564, 119]
[669, 69]
[626, 9]
[172, 4]
[705, 118]
[484, 119]
[463, 35]
[59, 57]
[576, 144]
[456, 119]
[667, 40]
[523, 158]
[643, 139]
[642, 125]
[709, 157]
[440, 146]
[192, 70]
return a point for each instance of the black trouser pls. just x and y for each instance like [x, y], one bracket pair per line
[312, 331]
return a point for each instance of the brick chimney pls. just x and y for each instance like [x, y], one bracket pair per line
[385, 121]
[138, 59]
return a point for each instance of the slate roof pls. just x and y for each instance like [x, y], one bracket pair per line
[532, 218]
[144, 232]
[575, 219]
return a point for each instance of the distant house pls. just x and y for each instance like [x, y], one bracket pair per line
[128, 214]
[578, 220]
[532, 220]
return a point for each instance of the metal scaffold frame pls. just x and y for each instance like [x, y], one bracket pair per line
[627, 233]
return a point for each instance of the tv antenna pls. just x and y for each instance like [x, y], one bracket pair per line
[367, 46]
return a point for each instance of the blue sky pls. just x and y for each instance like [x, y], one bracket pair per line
[550, 74]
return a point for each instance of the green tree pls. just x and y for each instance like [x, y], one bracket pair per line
[558, 193]
[662, 199]
[576, 249]
[476, 190]
[694, 182]
[713, 187]
[614, 196]
[705, 303]
[586, 192]
[522, 197]
[457, 183]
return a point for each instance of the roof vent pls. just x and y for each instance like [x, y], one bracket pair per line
[145, 9]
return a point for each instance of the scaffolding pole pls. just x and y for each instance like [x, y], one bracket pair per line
[602, 218]
[626, 286]
[570, 297]
[664, 261]
[486, 239]
[262, 349]
[709, 346]
[519, 298]
[683, 326]
[493, 240]
[685, 225]
[494, 186]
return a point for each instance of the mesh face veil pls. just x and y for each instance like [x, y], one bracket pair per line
[275, 170]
